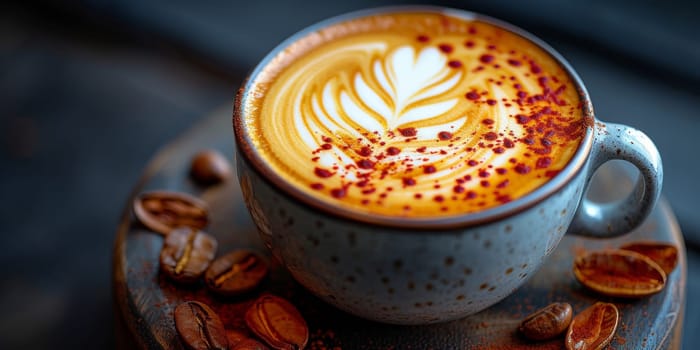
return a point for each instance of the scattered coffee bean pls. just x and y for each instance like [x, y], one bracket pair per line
[278, 323]
[163, 211]
[593, 328]
[209, 168]
[249, 344]
[200, 327]
[619, 273]
[547, 322]
[663, 254]
[186, 254]
[236, 273]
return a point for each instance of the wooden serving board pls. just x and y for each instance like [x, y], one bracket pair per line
[145, 300]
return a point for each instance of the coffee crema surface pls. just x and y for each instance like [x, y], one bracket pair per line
[414, 114]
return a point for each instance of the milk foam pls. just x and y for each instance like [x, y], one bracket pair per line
[395, 124]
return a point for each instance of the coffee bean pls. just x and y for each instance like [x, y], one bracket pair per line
[547, 322]
[663, 254]
[593, 328]
[163, 211]
[236, 273]
[278, 323]
[200, 327]
[249, 344]
[186, 254]
[209, 168]
[619, 273]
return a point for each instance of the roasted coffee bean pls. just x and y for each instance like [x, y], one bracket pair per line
[186, 254]
[278, 323]
[619, 273]
[209, 168]
[593, 328]
[163, 211]
[547, 322]
[663, 254]
[200, 327]
[249, 344]
[236, 273]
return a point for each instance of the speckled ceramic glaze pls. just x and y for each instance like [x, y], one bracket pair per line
[405, 271]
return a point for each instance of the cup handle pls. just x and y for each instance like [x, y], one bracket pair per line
[616, 141]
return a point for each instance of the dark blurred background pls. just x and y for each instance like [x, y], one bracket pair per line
[89, 91]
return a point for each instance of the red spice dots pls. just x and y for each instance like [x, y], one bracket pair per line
[408, 132]
[472, 95]
[446, 48]
[418, 196]
[317, 186]
[488, 121]
[484, 173]
[485, 183]
[365, 151]
[551, 173]
[444, 135]
[326, 139]
[543, 162]
[423, 38]
[522, 119]
[501, 171]
[392, 151]
[458, 189]
[439, 198]
[365, 164]
[469, 44]
[503, 198]
[486, 58]
[407, 181]
[320, 172]
[508, 143]
[521, 168]
[326, 146]
[421, 149]
[499, 150]
[472, 162]
[454, 64]
[491, 102]
[503, 183]
[470, 195]
[490, 136]
[514, 63]
[429, 169]
[338, 192]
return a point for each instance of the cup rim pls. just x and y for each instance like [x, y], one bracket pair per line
[246, 147]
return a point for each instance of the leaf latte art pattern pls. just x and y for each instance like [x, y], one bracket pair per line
[406, 92]
[416, 123]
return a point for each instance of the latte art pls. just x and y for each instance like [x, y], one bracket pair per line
[416, 114]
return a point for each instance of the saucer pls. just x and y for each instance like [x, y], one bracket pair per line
[144, 300]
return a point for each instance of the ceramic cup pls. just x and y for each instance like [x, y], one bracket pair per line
[402, 271]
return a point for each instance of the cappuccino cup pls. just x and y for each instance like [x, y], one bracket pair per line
[413, 165]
